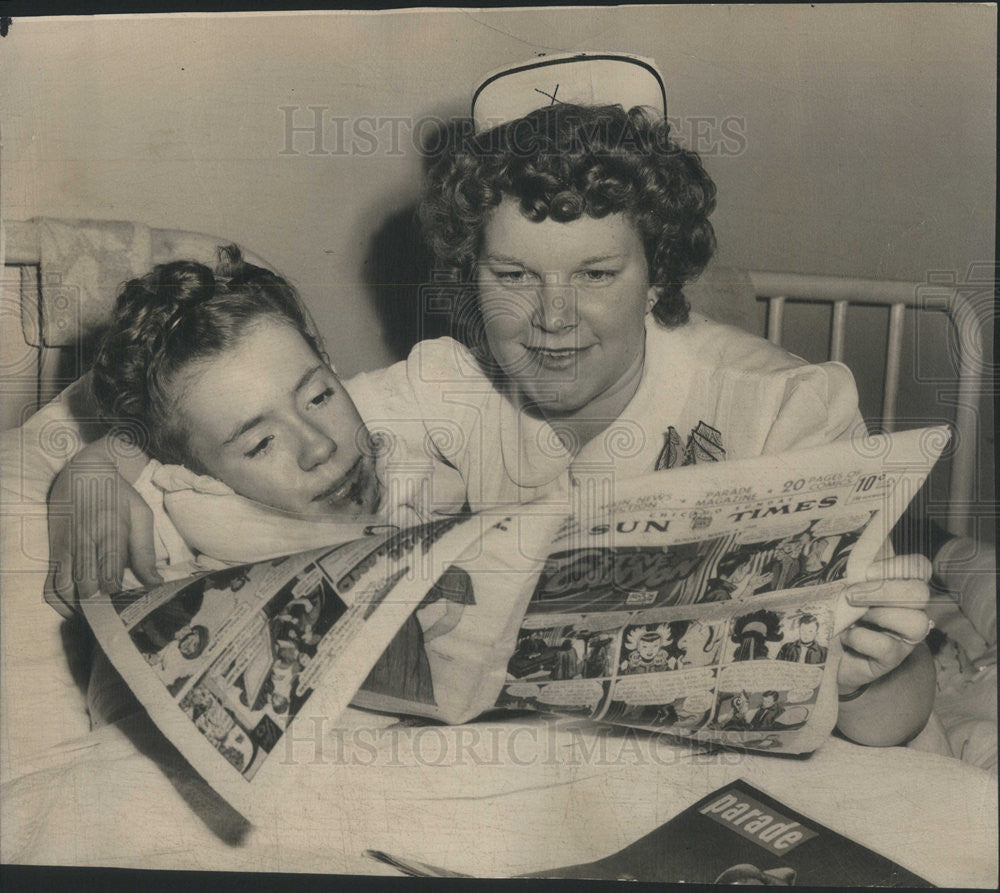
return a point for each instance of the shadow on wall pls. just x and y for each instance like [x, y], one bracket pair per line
[399, 266]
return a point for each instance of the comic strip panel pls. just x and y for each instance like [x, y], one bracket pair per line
[621, 579]
[767, 695]
[252, 690]
[266, 670]
[799, 636]
[674, 645]
[771, 710]
[795, 554]
[577, 697]
[584, 649]
[678, 702]
[183, 635]
[206, 710]
[563, 667]
[253, 582]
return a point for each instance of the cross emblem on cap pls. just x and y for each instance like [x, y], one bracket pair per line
[551, 95]
[551, 81]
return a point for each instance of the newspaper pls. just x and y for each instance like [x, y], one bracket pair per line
[707, 603]
[223, 662]
[704, 603]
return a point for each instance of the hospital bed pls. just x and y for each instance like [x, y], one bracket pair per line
[494, 798]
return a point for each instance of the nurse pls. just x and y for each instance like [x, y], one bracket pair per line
[571, 229]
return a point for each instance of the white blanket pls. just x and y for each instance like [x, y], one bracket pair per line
[489, 799]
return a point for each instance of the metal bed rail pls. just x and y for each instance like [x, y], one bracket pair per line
[840, 293]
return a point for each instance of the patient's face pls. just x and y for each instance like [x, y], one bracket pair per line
[270, 419]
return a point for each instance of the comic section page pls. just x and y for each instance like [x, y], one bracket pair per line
[224, 662]
[448, 660]
[707, 603]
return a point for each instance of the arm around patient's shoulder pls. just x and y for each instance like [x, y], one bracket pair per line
[427, 404]
[112, 451]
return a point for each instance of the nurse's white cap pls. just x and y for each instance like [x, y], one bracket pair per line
[578, 78]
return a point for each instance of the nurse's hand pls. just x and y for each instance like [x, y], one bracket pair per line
[892, 627]
[886, 675]
[98, 525]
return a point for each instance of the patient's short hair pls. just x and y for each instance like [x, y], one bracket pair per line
[177, 313]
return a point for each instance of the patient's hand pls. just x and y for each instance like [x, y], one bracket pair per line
[98, 525]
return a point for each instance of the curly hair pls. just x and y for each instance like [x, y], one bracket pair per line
[176, 314]
[562, 162]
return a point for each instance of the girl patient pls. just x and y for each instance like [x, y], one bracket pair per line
[219, 376]
[231, 396]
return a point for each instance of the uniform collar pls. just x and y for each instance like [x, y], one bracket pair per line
[533, 454]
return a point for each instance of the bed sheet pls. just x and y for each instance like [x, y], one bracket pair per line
[495, 798]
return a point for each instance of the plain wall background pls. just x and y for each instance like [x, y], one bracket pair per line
[868, 149]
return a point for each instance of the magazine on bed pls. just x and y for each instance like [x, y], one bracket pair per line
[735, 835]
[703, 603]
